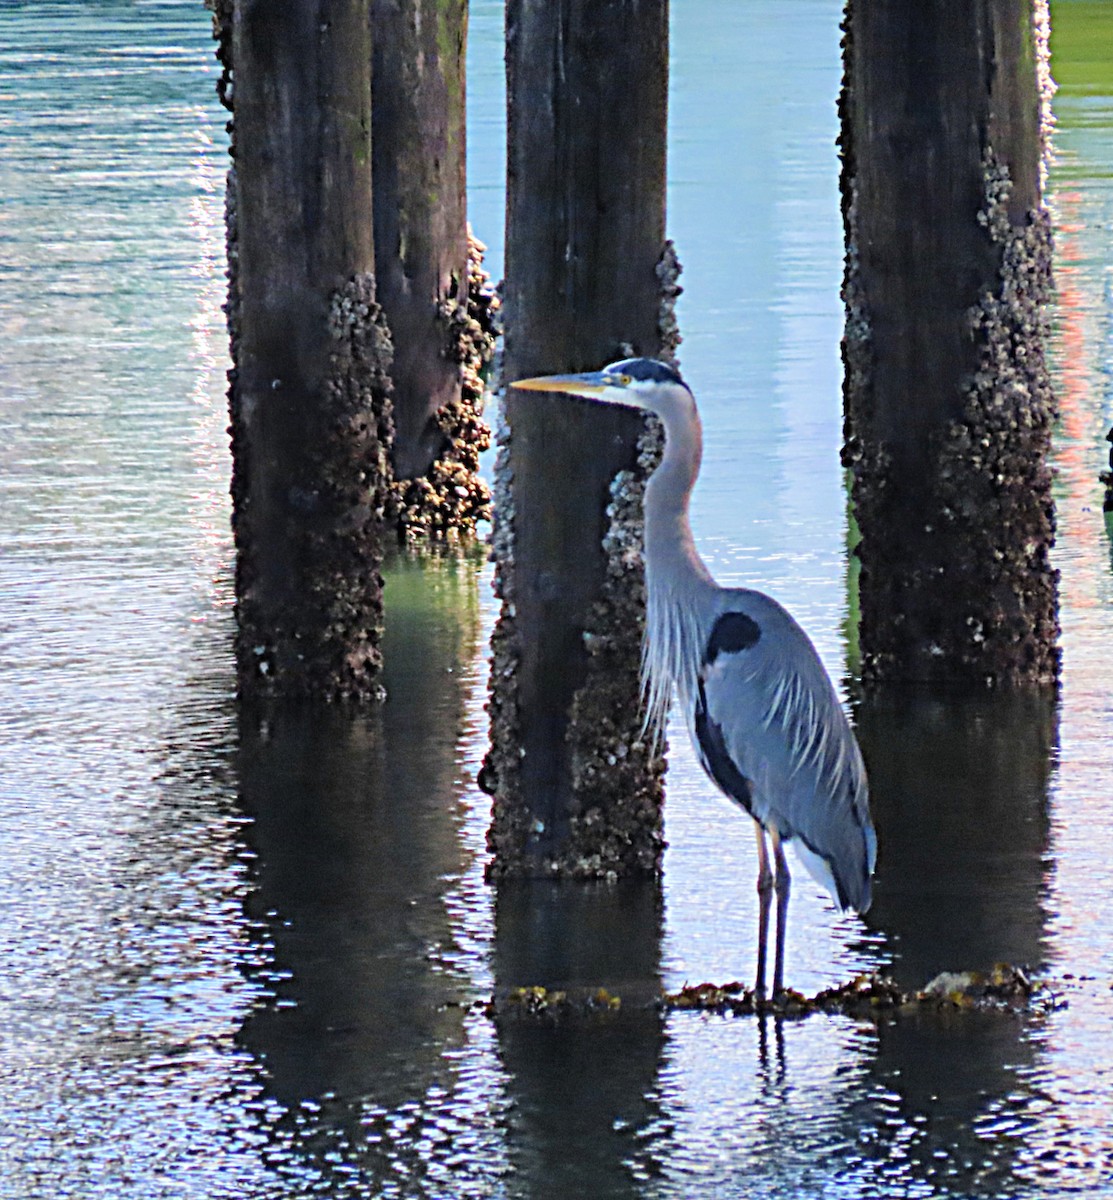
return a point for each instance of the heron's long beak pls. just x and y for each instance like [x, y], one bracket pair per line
[591, 383]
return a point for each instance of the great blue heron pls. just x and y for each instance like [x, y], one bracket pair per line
[762, 713]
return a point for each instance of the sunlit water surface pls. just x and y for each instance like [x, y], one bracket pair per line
[246, 957]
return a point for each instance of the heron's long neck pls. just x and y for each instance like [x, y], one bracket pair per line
[672, 560]
[677, 579]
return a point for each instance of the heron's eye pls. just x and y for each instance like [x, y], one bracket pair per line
[625, 380]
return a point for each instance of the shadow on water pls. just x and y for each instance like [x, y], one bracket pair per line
[959, 789]
[580, 1083]
[355, 823]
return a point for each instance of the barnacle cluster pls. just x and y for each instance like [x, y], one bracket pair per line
[325, 640]
[447, 502]
[1045, 84]
[993, 479]
[222, 13]
[617, 770]
[500, 774]
[668, 276]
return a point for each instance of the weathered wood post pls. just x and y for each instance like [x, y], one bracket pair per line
[948, 399]
[576, 789]
[426, 264]
[309, 391]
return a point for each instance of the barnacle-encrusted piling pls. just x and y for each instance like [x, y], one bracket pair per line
[428, 268]
[948, 399]
[576, 790]
[617, 770]
[616, 786]
[309, 392]
[447, 501]
[615, 790]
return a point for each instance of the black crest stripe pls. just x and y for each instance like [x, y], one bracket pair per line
[646, 369]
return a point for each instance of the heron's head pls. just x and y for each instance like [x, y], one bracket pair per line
[632, 382]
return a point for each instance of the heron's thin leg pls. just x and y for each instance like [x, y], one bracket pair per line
[783, 884]
[764, 892]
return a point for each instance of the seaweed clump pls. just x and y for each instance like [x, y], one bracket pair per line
[1006, 988]
[551, 1006]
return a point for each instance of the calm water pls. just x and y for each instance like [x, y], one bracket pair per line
[242, 957]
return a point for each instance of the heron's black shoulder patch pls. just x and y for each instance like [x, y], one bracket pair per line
[733, 632]
[650, 369]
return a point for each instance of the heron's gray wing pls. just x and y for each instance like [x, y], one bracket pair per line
[771, 732]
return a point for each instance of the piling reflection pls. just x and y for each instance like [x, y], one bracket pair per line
[958, 788]
[585, 1084]
[354, 822]
[959, 792]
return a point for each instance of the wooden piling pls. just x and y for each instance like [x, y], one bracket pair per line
[948, 400]
[577, 790]
[428, 269]
[309, 391]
